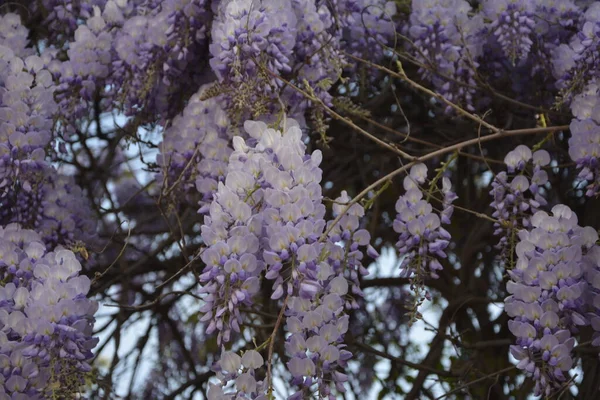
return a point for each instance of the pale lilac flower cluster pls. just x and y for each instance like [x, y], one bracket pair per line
[523, 36]
[316, 345]
[586, 104]
[575, 67]
[88, 66]
[448, 43]
[231, 232]
[157, 50]
[62, 17]
[546, 298]
[14, 35]
[263, 201]
[553, 17]
[554, 21]
[368, 27]
[314, 273]
[26, 111]
[584, 149]
[242, 371]
[266, 197]
[577, 63]
[584, 144]
[248, 35]
[301, 40]
[293, 211]
[45, 319]
[56, 208]
[268, 215]
[592, 277]
[32, 192]
[316, 318]
[516, 197]
[512, 25]
[317, 53]
[136, 55]
[422, 238]
[195, 150]
[343, 246]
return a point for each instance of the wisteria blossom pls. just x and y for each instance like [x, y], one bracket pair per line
[547, 290]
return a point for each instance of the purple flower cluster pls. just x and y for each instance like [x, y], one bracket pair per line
[343, 246]
[577, 63]
[231, 231]
[316, 318]
[255, 43]
[135, 55]
[316, 344]
[26, 111]
[268, 216]
[242, 371]
[56, 208]
[315, 64]
[314, 272]
[512, 25]
[575, 67]
[32, 192]
[368, 26]
[195, 150]
[422, 239]
[88, 66]
[264, 212]
[546, 299]
[248, 35]
[45, 318]
[448, 43]
[14, 35]
[63, 16]
[591, 267]
[584, 149]
[506, 43]
[156, 51]
[518, 196]
[293, 212]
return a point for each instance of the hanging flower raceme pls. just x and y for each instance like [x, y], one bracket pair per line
[448, 43]
[368, 27]
[195, 151]
[584, 143]
[231, 232]
[13, 34]
[242, 371]
[62, 17]
[55, 207]
[27, 108]
[512, 25]
[422, 239]
[248, 39]
[158, 50]
[85, 73]
[343, 246]
[317, 56]
[516, 197]
[303, 268]
[32, 193]
[592, 277]
[45, 319]
[318, 322]
[547, 301]
[280, 182]
[576, 64]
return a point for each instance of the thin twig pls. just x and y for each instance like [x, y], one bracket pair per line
[434, 154]
[272, 344]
